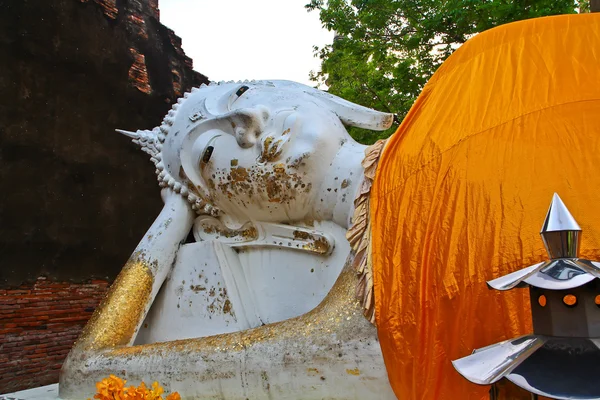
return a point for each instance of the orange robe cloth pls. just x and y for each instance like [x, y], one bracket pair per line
[462, 189]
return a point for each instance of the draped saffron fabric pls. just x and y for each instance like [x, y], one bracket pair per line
[462, 189]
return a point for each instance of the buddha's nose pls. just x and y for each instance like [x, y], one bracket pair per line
[248, 125]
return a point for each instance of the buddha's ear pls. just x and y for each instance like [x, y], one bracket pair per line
[355, 115]
[350, 114]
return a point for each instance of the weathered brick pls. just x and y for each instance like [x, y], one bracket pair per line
[10, 330]
[9, 307]
[39, 324]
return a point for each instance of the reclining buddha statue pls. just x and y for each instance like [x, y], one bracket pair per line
[264, 175]
[291, 262]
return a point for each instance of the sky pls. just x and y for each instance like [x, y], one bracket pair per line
[247, 39]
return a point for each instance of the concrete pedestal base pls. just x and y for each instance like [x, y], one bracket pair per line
[49, 392]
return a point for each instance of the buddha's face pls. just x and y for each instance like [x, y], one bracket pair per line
[260, 152]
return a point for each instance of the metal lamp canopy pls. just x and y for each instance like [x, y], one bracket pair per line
[561, 359]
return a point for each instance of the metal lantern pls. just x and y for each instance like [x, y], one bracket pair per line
[561, 359]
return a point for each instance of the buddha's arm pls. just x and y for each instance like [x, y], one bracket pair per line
[285, 349]
[118, 318]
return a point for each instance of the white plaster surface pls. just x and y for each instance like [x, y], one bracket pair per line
[191, 301]
[49, 392]
[215, 289]
[288, 283]
[342, 366]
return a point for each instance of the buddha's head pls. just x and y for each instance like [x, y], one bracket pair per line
[254, 150]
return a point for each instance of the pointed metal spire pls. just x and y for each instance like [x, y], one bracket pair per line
[559, 218]
[560, 231]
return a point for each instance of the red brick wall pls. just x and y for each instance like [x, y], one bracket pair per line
[38, 325]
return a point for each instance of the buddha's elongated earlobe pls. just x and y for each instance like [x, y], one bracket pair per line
[349, 113]
[352, 114]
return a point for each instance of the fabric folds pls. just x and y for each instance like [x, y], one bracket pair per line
[462, 189]
[359, 234]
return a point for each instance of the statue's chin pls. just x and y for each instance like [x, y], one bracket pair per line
[296, 208]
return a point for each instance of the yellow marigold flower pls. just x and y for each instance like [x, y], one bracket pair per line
[174, 396]
[156, 392]
[136, 393]
[113, 388]
[110, 388]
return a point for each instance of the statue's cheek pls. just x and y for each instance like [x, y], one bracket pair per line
[264, 186]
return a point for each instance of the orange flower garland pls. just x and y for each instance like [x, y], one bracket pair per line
[113, 388]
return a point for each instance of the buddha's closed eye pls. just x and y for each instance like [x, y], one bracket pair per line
[207, 154]
[208, 151]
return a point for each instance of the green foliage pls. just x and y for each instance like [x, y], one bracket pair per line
[386, 50]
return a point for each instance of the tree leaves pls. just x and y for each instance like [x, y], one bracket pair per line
[386, 50]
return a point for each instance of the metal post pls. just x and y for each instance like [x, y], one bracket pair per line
[494, 392]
